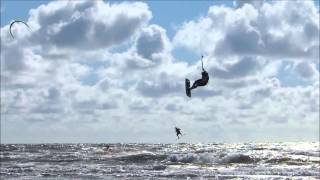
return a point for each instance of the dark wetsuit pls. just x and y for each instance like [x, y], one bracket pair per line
[178, 132]
[201, 82]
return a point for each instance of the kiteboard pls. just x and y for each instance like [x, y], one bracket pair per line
[188, 91]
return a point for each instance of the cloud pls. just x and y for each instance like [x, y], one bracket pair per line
[242, 83]
[306, 70]
[159, 89]
[140, 105]
[152, 40]
[47, 109]
[86, 25]
[239, 39]
[242, 68]
[21, 67]
[14, 59]
[89, 106]
[279, 29]
[255, 3]
[132, 61]
[41, 55]
[53, 93]
[173, 107]
[57, 28]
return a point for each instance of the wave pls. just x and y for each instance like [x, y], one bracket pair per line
[307, 153]
[140, 157]
[289, 161]
[236, 158]
[189, 158]
[208, 158]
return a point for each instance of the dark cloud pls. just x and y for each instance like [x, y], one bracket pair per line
[90, 106]
[107, 105]
[255, 3]
[48, 109]
[71, 34]
[264, 92]
[311, 31]
[282, 119]
[53, 93]
[239, 40]
[160, 84]
[245, 106]
[13, 58]
[305, 70]
[55, 56]
[283, 46]
[139, 106]
[244, 67]
[204, 92]
[136, 62]
[238, 83]
[173, 107]
[46, 118]
[158, 89]
[235, 122]
[151, 41]
[204, 119]
[12, 84]
[314, 51]
[103, 84]
[87, 25]
[241, 83]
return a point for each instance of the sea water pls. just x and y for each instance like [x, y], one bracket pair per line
[161, 161]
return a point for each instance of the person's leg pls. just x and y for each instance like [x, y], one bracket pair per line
[195, 84]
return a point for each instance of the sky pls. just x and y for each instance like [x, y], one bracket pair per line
[114, 71]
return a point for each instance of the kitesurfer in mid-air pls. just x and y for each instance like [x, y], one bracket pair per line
[178, 132]
[200, 82]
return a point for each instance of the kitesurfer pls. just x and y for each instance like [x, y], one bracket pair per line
[178, 132]
[203, 81]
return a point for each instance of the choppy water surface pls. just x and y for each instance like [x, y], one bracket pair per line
[161, 161]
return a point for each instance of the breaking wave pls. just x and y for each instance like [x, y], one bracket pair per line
[208, 158]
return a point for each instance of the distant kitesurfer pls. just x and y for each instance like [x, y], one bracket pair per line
[107, 148]
[200, 82]
[178, 132]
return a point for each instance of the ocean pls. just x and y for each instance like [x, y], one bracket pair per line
[285, 160]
